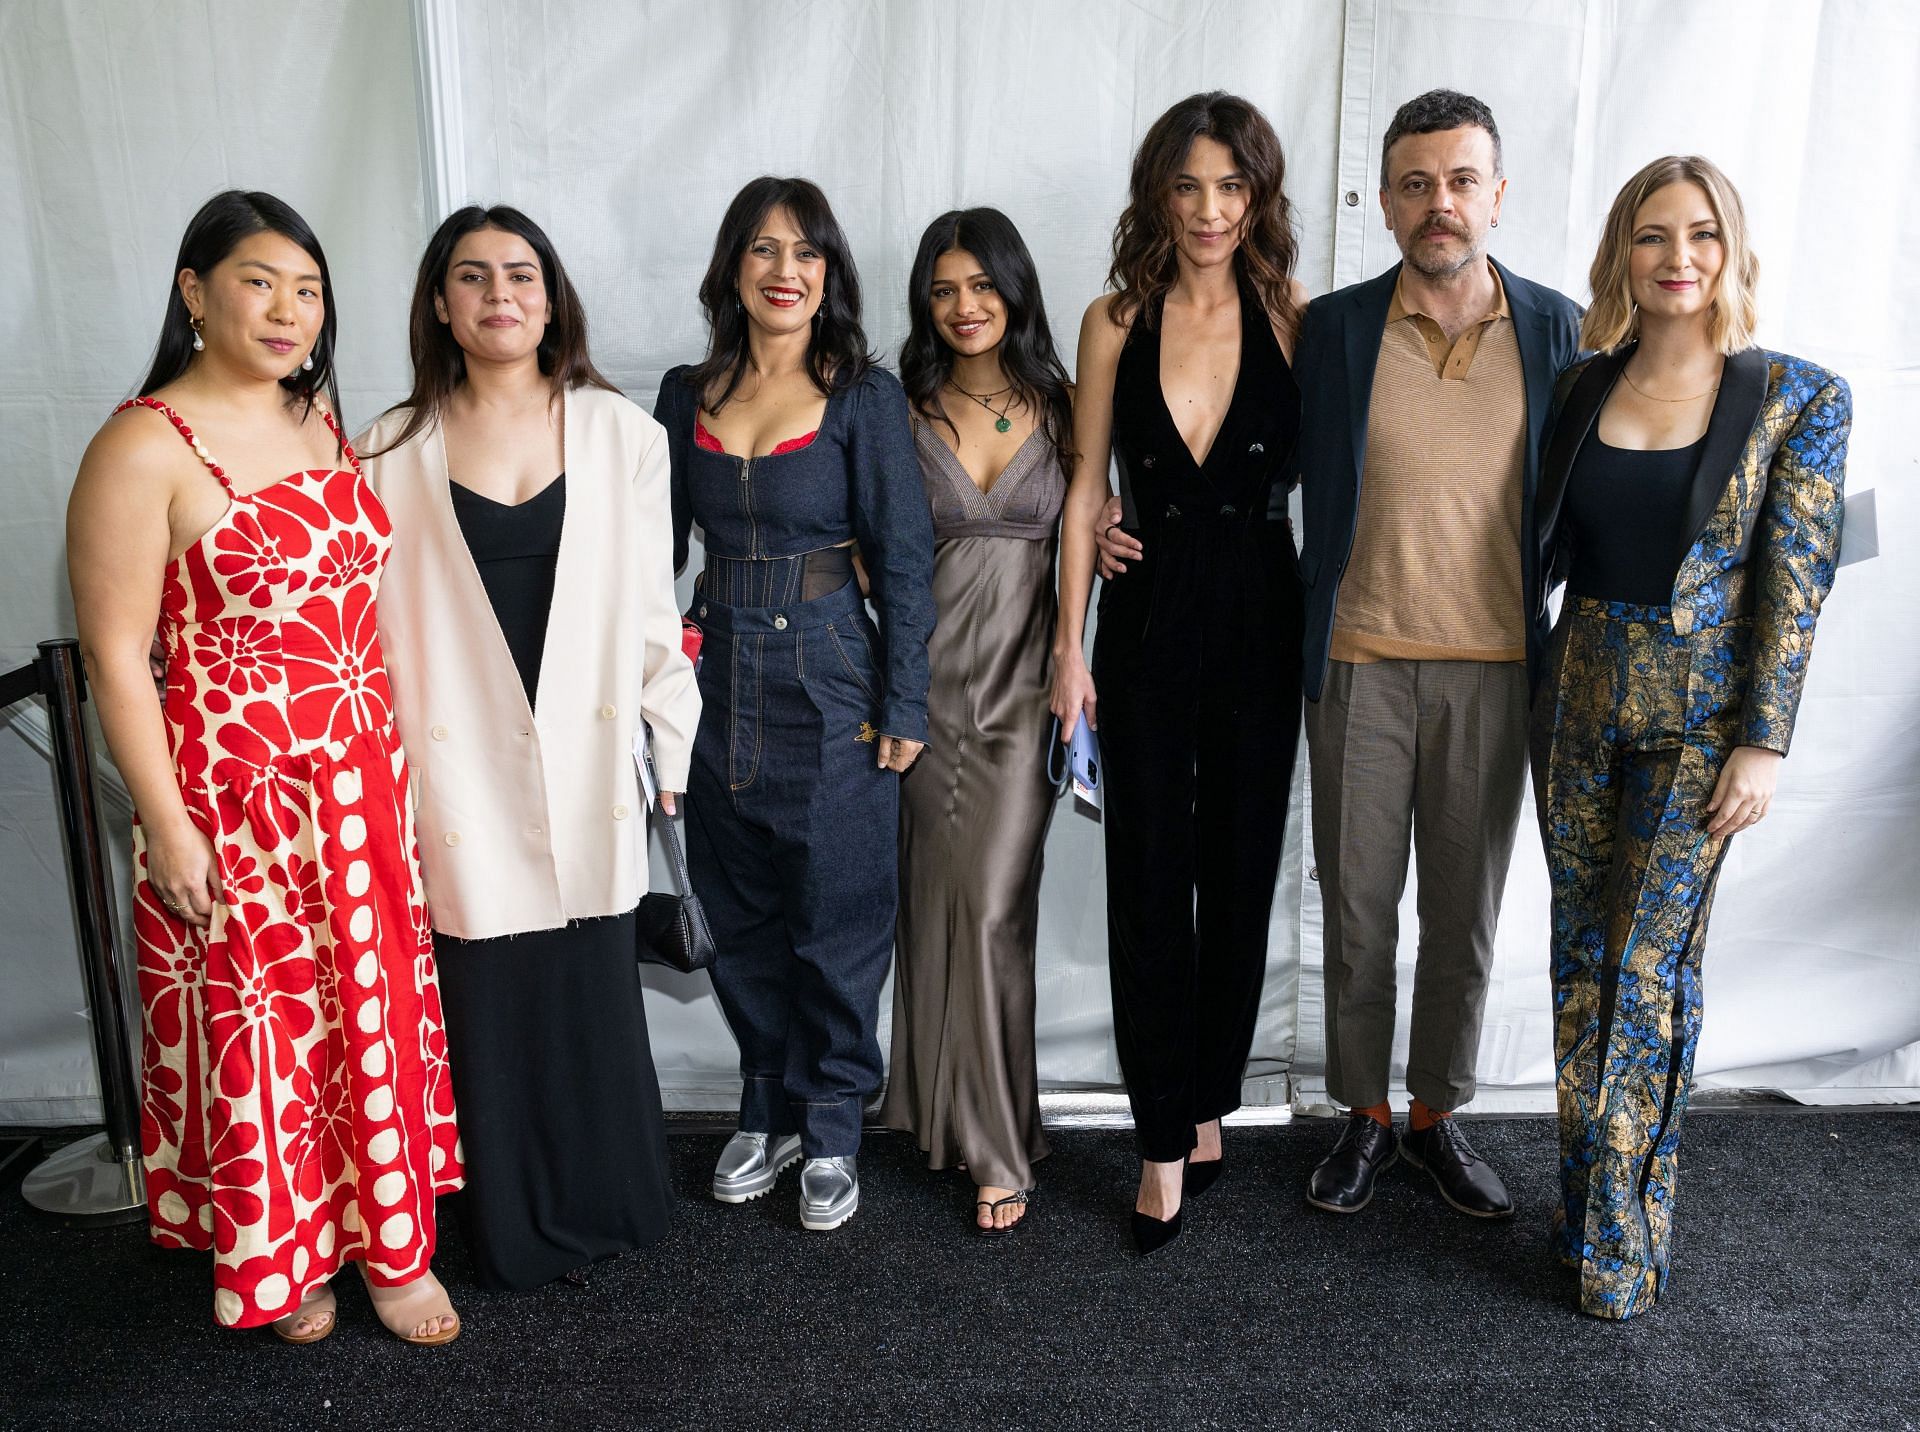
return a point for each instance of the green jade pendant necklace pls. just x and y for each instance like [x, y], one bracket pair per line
[1001, 422]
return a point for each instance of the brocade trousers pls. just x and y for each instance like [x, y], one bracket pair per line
[1631, 727]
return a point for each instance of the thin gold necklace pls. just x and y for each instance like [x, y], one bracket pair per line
[1652, 399]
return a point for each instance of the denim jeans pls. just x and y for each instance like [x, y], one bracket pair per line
[792, 835]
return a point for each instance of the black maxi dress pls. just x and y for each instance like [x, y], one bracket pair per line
[546, 1032]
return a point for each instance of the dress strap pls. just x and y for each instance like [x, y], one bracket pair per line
[353, 458]
[200, 448]
[180, 423]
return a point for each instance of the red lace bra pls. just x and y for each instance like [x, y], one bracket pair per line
[704, 439]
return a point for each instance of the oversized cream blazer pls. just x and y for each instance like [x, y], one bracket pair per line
[530, 818]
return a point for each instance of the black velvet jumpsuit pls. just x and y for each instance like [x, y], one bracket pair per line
[1197, 663]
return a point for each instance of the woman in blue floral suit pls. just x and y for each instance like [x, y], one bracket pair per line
[1691, 500]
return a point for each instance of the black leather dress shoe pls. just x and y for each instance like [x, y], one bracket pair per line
[1465, 1180]
[1342, 1182]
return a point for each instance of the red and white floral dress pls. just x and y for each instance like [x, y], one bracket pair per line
[296, 1110]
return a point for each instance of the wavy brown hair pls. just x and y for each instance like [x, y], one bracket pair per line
[1145, 262]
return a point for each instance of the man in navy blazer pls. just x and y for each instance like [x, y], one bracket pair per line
[1424, 393]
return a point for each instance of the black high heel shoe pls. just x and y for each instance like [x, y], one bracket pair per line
[1150, 1235]
[1197, 1178]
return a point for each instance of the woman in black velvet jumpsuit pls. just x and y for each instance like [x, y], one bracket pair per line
[1197, 657]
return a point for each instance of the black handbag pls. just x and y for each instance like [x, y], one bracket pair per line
[673, 929]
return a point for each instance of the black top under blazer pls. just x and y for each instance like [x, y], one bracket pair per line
[1761, 538]
[1334, 362]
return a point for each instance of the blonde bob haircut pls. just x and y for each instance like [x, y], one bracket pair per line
[1614, 318]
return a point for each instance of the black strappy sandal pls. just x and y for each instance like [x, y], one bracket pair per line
[1018, 1196]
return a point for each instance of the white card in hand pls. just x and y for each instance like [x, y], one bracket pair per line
[640, 764]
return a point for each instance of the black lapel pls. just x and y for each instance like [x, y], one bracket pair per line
[1530, 333]
[1743, 389]
[1366, 322]
[1570, 430]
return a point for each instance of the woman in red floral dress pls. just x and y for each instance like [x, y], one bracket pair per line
[297, 1113]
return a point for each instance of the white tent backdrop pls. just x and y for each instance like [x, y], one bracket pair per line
[625, 127]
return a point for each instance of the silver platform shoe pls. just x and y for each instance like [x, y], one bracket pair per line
[829, 1193]
[750, 1165]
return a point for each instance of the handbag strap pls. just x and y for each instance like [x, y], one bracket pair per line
[670, 833]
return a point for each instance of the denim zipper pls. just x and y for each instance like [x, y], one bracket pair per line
[746, 507]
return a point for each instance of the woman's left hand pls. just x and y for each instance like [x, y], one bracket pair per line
[897, 753]
[670, 802]
[1744, 792]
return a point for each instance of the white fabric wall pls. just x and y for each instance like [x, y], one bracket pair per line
[116, 122]
[1813, 971]
[625, 127]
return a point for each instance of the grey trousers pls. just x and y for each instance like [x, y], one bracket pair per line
[1432, 754]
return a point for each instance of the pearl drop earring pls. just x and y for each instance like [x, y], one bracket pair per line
[199, 343]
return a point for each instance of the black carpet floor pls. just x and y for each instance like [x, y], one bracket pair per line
[1795, 1303]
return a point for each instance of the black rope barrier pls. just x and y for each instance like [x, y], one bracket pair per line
[18, 685]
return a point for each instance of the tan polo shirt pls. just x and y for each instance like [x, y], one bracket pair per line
[1435, 569]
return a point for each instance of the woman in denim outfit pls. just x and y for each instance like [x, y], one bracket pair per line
[789, 444]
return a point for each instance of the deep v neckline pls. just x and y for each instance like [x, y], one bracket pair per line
[1233, 398]
[963, 480]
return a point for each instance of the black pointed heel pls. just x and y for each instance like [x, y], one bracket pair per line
[1197, 1178]
[1150, 1235]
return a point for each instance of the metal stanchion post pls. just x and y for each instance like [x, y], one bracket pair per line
[97, 1179]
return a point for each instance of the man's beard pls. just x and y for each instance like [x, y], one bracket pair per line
[1432, 266]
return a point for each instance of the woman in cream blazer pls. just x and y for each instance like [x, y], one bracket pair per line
[531, 628]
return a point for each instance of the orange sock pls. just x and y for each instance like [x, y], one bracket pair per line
[1419, 1116]
[1381, 1114]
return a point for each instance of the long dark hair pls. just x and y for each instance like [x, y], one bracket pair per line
[837, 355]
[1144, 261]
[440, 364]
[212, 234]
[1027, 354]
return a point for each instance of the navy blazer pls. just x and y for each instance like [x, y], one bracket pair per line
[1334, 362]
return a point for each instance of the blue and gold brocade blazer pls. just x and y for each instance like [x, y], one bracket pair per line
[1764, 517]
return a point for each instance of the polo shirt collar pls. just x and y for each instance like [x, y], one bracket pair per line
[1398, 308]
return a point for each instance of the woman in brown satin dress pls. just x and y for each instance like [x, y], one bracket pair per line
[992, 421]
